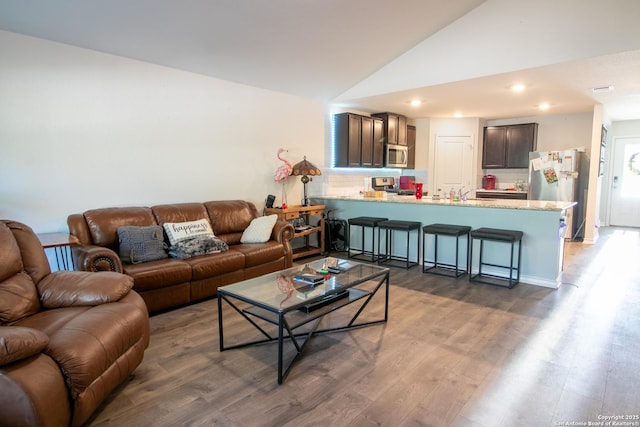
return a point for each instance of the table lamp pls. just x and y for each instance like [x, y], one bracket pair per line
[304, 169]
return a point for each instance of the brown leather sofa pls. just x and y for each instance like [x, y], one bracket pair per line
[67, 339]
[167, 283]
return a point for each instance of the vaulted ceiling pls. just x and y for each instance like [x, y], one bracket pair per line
[374, 55]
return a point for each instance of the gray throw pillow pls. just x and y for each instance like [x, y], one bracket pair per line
[141, 244]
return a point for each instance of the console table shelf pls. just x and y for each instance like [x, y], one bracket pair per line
[303, 216]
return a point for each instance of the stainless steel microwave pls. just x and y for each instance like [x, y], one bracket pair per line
[397, 156]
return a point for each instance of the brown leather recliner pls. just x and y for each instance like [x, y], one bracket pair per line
[67, 339]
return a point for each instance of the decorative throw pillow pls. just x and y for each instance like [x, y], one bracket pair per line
[259, 231]
[197, 246]
[141, 243]
[17, 343]
[177, 231]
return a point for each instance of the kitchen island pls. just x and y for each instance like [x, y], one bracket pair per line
[542, 223]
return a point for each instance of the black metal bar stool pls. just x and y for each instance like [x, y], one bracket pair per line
[364, 222]
[442, 268]
[389, 227]
[496, 235]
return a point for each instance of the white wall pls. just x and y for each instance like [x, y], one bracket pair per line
[81, 129]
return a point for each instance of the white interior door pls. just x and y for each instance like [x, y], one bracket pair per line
[453, 166]
[625, 186]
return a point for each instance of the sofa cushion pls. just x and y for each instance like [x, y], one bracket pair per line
[103, 223]
[17, 343]
[11, 257]
[158, 274]
[259, 230]
[141, 244]
[18, 298]
[89, 344]
[230, 218]
[179, 212]
[260, 253]
[211, 265]
[82, 288]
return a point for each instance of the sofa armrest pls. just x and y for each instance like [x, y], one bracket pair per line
[17, 343]
[283, 231]
[96, 258]
[33, 392]
[82, 288]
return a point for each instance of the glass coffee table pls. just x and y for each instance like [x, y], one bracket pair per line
[286, 300]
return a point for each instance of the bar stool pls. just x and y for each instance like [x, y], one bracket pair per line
[496, 235]
[391, 226]
[442, 268]
[363, 222]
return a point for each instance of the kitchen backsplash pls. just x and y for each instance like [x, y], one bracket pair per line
[339, 183]
[506, 178]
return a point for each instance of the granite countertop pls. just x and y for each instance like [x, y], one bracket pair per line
[541, 205]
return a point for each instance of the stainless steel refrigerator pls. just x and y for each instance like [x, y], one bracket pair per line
[561, 176]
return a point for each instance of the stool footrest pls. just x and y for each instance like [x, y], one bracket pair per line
[362, 253]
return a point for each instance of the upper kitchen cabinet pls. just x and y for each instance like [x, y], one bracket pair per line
[359, 141]
[411, 144]
[508, 146]
[394, 128]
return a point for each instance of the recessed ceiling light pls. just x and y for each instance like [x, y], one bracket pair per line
[457, 115]
[416, 103]
[602, 89]
[544, 106]
[518, 87]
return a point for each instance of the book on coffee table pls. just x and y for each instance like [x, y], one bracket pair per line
[312, 279]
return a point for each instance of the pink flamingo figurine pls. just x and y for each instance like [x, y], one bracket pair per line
[282, 173]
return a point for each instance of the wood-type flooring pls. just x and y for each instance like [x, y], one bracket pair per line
[452, 354]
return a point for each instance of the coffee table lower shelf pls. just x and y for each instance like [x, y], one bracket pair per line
[301, 316]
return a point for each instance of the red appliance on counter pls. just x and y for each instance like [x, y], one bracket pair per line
[407, 182]
[489, 182]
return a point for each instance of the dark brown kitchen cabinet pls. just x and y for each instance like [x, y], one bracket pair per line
[358, 141]
[402, 130]
[501, 195]
[366, 142]
[395, 128]
[508, 146]
[378, 143]
[411, 145]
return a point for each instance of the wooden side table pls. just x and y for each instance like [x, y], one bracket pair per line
[61, 244]
[301, 218]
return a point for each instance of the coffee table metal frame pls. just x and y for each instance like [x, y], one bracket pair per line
[294, 316]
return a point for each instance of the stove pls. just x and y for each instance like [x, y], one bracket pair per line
[382, 183]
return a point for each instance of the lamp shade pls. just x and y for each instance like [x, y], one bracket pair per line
[305, 167]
